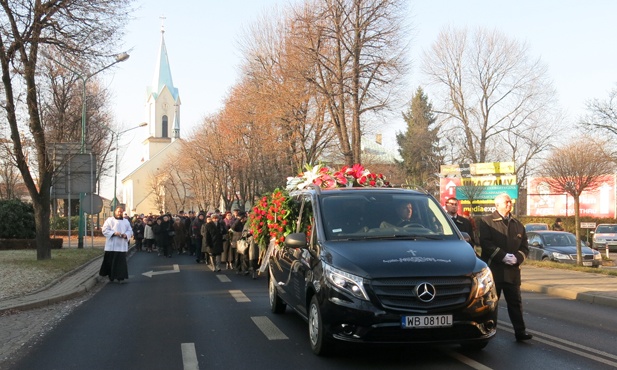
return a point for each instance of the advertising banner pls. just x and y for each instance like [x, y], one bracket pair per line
[543, 200]
[484, 198]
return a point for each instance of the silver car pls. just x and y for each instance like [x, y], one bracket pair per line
[604, 236]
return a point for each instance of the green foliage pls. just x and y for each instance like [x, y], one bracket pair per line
[62, 223]
[419, 145]
[17, 220]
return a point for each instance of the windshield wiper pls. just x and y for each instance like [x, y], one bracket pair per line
[416, 236]
[396, 237]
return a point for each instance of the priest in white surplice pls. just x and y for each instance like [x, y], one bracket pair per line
[117, 232]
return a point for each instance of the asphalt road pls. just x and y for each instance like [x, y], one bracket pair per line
[181, 315]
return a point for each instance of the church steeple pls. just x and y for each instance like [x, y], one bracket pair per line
[162, 71]
[162, 105]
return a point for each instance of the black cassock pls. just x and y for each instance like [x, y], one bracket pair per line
[114, 266]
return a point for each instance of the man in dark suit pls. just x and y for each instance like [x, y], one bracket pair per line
[504, 249]
[461, 222]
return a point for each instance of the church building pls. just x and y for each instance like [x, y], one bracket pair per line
[142, 189]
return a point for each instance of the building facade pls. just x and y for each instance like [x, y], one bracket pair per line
[142, 189]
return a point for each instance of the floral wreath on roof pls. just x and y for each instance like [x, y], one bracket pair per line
[271, 218]
[329, 178]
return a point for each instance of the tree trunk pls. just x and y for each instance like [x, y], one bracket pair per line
[41, 216]
[579, 254]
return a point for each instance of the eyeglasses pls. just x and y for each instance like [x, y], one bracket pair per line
[452, 204]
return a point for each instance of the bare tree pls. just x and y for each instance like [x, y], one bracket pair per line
[471, 191]
[275, 82]
[156, 184]
[84, 30]
[602, 114]
[357, 49]
[61, 112]
[572, 169]
[9, 175]
[489, 88]
[176, 190]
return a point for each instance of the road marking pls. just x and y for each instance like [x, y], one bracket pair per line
[151, 273]
[239, 296]
[189, 356]
[467, 361]
[223, 278]
[268, 328]
[568, 346]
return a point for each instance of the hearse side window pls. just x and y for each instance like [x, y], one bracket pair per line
[438, 220]
[304, 221]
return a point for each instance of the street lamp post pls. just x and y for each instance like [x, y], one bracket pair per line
[84, 79]
[114, 201]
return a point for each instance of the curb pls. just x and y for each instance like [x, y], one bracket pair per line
[595, 297]
[83, 288]
[61, 278]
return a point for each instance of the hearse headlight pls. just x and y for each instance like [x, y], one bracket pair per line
[484, 281]
[352, 284]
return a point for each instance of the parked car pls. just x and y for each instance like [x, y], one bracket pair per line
[605, 235]
[560, 246]
[356, 275]
[536, 226]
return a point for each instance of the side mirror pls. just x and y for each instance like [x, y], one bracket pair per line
[536, 244]
[296, 240]
[466, 236]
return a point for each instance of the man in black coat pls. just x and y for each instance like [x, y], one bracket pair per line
[463, 224]
[214, 241]
[504, 249]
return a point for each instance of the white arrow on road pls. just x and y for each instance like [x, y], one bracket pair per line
[150, 273]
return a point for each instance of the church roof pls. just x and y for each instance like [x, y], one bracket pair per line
[162, 73]
[168, 150]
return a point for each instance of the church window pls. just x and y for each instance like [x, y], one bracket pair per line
[165, 127]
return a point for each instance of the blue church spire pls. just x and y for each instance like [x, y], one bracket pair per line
[162, 72]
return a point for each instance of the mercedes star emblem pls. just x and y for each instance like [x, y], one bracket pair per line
[425, 292]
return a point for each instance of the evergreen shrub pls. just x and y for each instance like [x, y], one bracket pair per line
[17, 220]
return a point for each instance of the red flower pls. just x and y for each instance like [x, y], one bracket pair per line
[356, 171]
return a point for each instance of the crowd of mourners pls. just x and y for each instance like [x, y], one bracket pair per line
[218, 239]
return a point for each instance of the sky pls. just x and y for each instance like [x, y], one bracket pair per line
[575, 39]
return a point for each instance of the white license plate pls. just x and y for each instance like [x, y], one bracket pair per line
[430, 321]
[587, 263]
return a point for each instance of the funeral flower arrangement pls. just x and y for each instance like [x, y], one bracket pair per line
[328, 178]
[272, 218]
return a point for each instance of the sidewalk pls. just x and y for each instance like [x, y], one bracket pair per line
[589, 287]
[594, 288]
[69, 286]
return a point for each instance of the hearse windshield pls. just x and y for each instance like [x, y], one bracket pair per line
[364, 214]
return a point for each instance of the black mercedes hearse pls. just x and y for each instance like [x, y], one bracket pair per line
[357, 273]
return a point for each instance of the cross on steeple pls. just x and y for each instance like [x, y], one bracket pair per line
[162, 18]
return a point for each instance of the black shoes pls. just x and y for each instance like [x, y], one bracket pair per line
[523, 336]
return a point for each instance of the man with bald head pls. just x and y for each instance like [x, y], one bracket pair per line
[504, 249]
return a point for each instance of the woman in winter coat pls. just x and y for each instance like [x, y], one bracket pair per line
[148, 235]
[197, 237]
[180, 237]
[242, 258]
[213, 241]
[161, 235]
